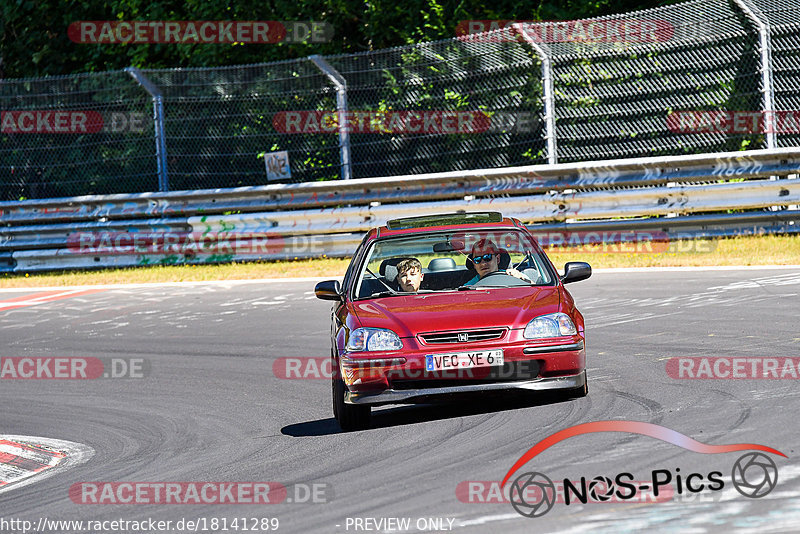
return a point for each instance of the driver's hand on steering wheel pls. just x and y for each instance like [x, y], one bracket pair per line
[518, 274]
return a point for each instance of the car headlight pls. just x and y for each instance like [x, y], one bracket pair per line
[372, 339]
[552, 325]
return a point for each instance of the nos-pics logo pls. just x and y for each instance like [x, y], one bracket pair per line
[533, 494]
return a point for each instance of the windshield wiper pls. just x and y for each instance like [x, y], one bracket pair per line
[393, 293]
[390, 293]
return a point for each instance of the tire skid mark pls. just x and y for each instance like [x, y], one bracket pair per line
[654, 413]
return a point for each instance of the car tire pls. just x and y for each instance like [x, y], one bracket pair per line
[350, 416]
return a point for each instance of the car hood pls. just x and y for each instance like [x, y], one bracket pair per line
[409, 315]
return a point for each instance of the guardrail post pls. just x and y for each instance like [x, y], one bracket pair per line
[767, 88]
[341, 108]
[547, 88]
[158, 119]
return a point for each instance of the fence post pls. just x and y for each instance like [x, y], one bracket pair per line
[767, 88]
[547, 89]
[341, 109]
[158, 118]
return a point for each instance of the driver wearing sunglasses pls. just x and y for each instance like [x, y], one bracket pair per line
[485, 257]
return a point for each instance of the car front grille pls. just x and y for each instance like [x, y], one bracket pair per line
[462, 336]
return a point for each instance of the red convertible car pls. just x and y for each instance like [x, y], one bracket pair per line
[461, 304]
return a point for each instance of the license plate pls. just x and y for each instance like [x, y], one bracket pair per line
[464, 360]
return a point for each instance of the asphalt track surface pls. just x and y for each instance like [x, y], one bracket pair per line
[211, 408]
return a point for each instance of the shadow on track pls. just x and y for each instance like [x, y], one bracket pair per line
[420, 413]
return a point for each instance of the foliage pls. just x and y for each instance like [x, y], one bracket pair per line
[34, 40]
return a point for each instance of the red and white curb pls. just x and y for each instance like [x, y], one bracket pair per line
[28, 459]
[43, 298]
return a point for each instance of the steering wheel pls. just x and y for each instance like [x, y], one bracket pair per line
[500, 279]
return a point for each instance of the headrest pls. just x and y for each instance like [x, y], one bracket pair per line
[442, 264]
[388, 268]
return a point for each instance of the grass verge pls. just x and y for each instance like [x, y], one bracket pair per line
[758, 250]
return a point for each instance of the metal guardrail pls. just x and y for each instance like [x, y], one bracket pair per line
[419, 187]
[326, 218]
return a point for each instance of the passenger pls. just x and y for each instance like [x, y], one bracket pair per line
[486, 258]
[409, 275]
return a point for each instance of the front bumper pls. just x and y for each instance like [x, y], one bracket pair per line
[367, 374]
[411, 396]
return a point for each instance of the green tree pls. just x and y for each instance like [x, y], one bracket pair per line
[34, 40]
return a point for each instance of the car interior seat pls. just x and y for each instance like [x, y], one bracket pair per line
[388, 270]
[442, 264]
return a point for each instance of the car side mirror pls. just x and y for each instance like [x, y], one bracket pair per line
[329, 290]
[575, 271]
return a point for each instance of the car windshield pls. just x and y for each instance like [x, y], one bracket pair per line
[444, 260]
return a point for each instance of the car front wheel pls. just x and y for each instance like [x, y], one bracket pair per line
[350, 416]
